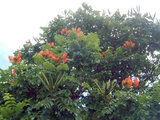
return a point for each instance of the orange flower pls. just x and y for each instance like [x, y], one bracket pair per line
[15, 59]
[78, 30]
[135, 83]
[41, 52]
[50, 55]
[52, 44]
[64, 55]
[55, 18]
[133, 44]
[67, 32]
[55, 58]
[102, 54]
[13, 73]
[128, 44]
[64, 59]
[19, 55]
[79, 35]
[62, 31]
[123, 82]
[73, 28]
[58, 59]
[45, 53]
[83, 11]
[11, 59]
[125, 46]
[127, 82]
[18, 61]
[66, 29]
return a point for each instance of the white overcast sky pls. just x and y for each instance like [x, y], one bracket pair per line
[20, 20]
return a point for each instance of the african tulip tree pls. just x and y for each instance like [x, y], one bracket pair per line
[87, 66]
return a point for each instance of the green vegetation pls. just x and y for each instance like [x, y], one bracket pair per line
[86, 66]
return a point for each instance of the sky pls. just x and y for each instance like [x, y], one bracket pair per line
[20, 20]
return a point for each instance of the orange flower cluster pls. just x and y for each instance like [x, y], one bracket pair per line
[52, 44]
[46, 54]
[66, 32]
[58, 59]
[16, 59]
[135, 83]
[128, 44]
[78, 32]
[83, 11]
[63, 58]
[128, 82]
[102, 54]
[55, 18]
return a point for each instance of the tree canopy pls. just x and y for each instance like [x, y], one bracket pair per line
[86, 65]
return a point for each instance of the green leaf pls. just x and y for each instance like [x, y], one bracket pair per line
[87, 86]
[60, 39]
[38, 59]
[45, 47]
[44, 83]
[72, 35]
[62, 67]
[48, 65]
[93, 41]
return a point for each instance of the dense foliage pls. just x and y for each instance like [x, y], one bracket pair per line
[86, 66]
